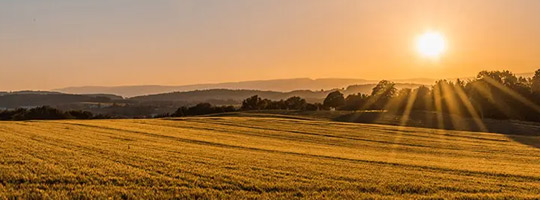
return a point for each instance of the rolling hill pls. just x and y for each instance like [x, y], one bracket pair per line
[239, 95]
[19, 99]
[215, 96]
[270, 157]
[280, 85]
[265, 85]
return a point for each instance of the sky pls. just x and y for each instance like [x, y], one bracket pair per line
[47, 44]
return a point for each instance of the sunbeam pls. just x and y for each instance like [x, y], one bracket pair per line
[470, 108]
[513, 94]
[438, 107]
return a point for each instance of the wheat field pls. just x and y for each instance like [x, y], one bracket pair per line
[259, 157]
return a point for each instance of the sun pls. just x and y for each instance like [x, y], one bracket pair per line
[431, 44]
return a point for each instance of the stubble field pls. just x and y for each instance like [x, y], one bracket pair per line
[260, 157]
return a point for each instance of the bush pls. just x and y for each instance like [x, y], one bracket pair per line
[202, 109]
[79, 114]
[43, 112]
[47, 113]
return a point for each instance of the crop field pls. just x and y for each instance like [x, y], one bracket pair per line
[260, 157]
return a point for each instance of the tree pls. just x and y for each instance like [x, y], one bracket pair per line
[180, 112]
[295, 103]
[11, 114]
[502, 95]
[43, 112]
[400, 101]
[355, 101]
[334, 100]
[252, 103]
[446, 97]
[200, 109]
[535, 85]
[79, 114]
[313, 107]
[382, 93]
[263, 104]
[384, 87]
[422, 100]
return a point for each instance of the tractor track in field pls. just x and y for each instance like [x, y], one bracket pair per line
[410, 166]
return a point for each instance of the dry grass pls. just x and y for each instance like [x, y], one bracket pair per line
[259, 157]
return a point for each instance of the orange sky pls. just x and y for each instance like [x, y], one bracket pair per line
[59, 43]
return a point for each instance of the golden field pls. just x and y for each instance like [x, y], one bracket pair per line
[260, 157]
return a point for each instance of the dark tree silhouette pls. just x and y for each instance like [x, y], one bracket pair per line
[313, 107]
[295, 103]
[334, 99]
[535, 85]
[79, 114]
[422, 101]
[180, 112]
[500, 94]
[253, 103]
[202, 109]
[381, 94]
[45, 113]
[355, 101]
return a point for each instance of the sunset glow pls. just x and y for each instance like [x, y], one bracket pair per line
[49, 45]
[275, 99]
[431, 44]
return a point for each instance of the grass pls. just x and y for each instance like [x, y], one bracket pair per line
[267, 157]
[425, 119]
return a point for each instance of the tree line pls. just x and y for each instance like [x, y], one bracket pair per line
[46, 113]
[252, 103]
[491, 94]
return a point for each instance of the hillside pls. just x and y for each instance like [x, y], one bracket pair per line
[239, 95]
[259, 157]
[225, 94]
[216, 96]
[265, 85]
[281, 85]
[39, 98]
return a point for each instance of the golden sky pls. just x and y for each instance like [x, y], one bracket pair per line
[58, 43]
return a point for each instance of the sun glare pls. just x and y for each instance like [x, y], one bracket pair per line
[431, 44]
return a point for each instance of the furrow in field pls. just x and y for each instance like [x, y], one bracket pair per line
[226, 144]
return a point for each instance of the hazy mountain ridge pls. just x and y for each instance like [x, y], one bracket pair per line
[263, 85]
[281, 85]
[29, 92]
[227, 94]
[241, 94]
[40, 98]
[219, 93]
[217, 96]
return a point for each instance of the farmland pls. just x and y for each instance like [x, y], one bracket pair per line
[260, 157]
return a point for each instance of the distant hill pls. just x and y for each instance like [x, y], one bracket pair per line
[40, 98]
[216, 96]
[282, 85]
[213, 95]
[28, 92]
[235, 96]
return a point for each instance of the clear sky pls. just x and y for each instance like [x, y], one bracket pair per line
[47, 44]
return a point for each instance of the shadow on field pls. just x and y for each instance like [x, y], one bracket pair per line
[527, 133]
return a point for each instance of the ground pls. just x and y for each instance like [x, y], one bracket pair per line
[266, 157]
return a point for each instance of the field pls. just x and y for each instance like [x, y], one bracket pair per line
[260, 157]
